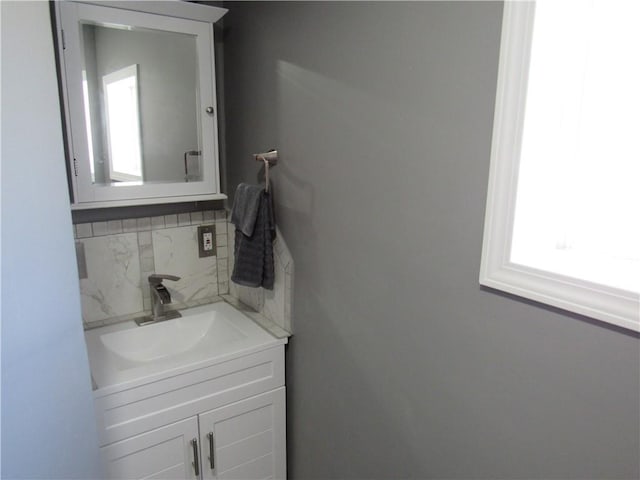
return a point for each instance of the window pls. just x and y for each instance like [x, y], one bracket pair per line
[123, 124]
[563, 221]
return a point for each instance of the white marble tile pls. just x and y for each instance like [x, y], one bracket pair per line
[146, 251]
[144, 224]
[99, 229]
[277, 302]
[288, 297]
[171, 221]
[157, 223]
[196, 218]
[253, 297]
[146, 265]
[175, 252]
[113, 284]
[273, 307]
[233, 288]
[83, 230]
[223, 270]
[114, 226]
[144, 238]
[260, 319]
[221, 227]
[231, 235]
[129, 225]
[184, 219]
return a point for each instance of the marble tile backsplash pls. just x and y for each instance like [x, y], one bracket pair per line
[275, 305]
[175, 251]
[118, 292]
[121, 254]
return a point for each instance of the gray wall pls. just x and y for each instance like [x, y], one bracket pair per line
[401, 365]
[48, 422]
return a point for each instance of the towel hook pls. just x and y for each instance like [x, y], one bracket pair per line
[269, 158]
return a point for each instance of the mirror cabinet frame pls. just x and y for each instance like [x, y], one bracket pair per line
[171, 16]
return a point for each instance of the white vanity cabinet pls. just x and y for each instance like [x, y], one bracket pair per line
[243, 440]
[246, 438]
[165, 452]
[170, 428]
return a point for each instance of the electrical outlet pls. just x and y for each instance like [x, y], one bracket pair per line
[206, 240]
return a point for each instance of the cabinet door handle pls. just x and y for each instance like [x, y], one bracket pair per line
[212, 462]
[196, 462]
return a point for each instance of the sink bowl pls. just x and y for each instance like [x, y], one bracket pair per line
[127, 354]
[170, 338]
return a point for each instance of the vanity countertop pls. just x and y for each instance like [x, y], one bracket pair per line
[124, 355]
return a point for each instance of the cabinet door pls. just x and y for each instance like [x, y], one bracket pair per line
[139, 103]
[166, 452]
[246, 438]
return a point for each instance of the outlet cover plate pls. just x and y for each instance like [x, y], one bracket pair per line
[206, 241]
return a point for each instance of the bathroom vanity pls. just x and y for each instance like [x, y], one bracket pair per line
[202, 396]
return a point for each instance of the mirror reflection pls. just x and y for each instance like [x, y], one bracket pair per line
[141, 105]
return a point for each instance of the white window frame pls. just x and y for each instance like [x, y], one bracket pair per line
[611, 305]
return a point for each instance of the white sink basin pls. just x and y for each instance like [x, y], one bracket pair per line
[125, 353]
[170, 338]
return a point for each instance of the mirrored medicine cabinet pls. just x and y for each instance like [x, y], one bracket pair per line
[138, 82]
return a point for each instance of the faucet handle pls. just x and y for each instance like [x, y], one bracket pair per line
[156, 278]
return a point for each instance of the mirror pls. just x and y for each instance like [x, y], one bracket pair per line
[141, 101]
[138, 83]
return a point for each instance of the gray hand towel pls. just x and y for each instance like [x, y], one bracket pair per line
[246, 203]
[254, 265]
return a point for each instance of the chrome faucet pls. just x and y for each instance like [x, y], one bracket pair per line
[160, 297]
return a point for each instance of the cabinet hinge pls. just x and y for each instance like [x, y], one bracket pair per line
[75, 167]
[64, 43]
